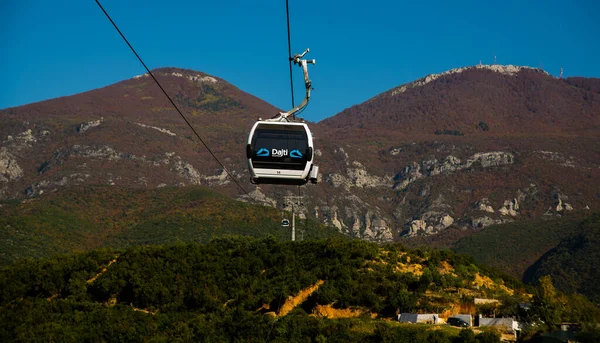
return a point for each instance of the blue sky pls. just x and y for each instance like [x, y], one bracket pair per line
[362, 48]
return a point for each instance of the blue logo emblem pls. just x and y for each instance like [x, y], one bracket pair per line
[295, 154]
[262, 152]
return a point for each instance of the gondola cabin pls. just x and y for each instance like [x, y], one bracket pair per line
[285, 223]
[281, 153]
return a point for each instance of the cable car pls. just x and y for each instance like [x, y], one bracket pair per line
[281, 153]
[280, 150]
[285, 223]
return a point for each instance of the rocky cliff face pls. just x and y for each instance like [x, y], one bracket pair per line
[384, 178]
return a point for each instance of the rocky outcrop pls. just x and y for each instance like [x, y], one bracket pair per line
[187, 171]
[357, 176]
[9, 168]
[562, 206]
[436, 217]
[23, 140]
[258, 196]
[376, 228]
[449, 165]
[509, 208]
[157, 129]
[485, 221]
[484, 205]
[104, 152]
[196, 78]
[356, 219]
[83, 127]
[429, 226]
[218, 180]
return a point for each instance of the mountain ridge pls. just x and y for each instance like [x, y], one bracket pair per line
[480, 87]
[378, 182]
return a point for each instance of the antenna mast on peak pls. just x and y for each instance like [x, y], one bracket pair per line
[494, 58]
[561, 72]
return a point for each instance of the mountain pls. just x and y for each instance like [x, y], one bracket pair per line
[453, 152]
[466, 149]
[499, 99]
[127, 134]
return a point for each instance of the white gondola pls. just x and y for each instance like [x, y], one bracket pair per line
[280, 150]
[285, 223]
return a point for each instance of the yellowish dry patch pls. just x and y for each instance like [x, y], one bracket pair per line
[482, 281]
[333, 313]
[227, 303]
[292, 302]
[489, 283]
[143, 310]
[446, 268]
[103, 270]
[507, 290]
[415, 269]
[264, 307]
[146, 98]
[112, 301]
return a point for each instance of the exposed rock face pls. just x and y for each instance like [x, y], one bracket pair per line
[157, 129]
[509, 208]
[560, 206]
[9, 168]
[188, 171]
[485, 221]
[376, 229]
[357, 176]
[23, 140]
[417, 226]
[484, 205]
[451, 164]
[434, 219]
[196, 78]
[217, 180]
[259, 196]
[363, 222]
[90, 124]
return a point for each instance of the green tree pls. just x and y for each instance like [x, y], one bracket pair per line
[547, 304]
[465, 336]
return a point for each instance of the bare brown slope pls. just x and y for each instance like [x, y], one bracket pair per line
[529, 101]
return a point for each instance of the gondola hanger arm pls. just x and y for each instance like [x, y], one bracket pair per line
[303, 63]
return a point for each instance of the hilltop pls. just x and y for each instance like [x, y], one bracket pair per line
[497, 99]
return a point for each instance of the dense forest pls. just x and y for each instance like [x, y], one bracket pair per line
[248, 289]
[567, 249]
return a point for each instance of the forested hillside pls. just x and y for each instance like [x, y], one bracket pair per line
[84, 218]
[574, 263]
[565, 248]
[256, 290]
